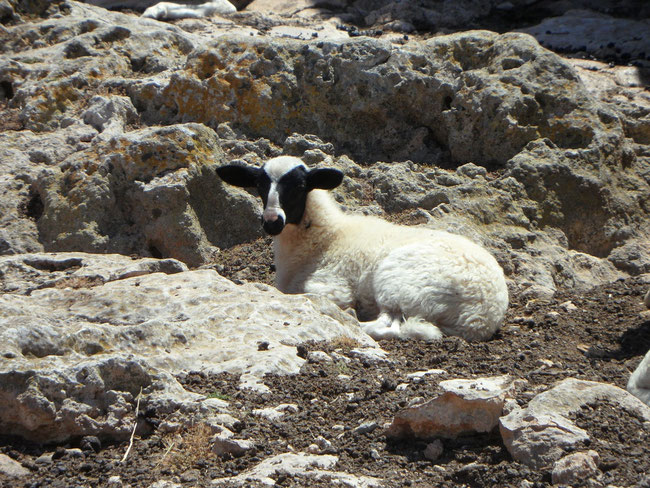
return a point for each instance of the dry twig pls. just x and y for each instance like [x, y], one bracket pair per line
[135, 424]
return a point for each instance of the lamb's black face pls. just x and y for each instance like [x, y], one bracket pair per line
[284, 194]
[283, 184]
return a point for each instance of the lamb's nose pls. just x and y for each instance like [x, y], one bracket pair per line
[273, 227]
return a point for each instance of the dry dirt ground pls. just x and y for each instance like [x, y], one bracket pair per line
[602, 339]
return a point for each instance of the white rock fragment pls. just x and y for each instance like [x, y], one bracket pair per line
[223, 444]
[370, 355]
[568, 306]
[319, 357]
[275, 413]
[11, 468]
[575, 468]
[418, 376]
[114, 481]
[464, 406]
[434, 450]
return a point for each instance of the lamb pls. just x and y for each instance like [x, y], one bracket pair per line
[170, 11]
[405, 282]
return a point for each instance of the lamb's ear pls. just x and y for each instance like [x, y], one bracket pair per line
[324, 178]
[243, 176]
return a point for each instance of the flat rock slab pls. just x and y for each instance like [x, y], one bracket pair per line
[310, 466]
[76, 358]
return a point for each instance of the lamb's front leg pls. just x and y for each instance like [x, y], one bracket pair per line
[386, 326]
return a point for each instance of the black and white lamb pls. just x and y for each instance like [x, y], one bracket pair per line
[412, 282]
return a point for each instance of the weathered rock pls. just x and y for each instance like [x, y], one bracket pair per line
[152, 191]
[75, 359]
[463, 406]
[345, 88]
[307, 466]
[639, 382]
[275, 413]
[575, 468]
[541, 433]
[224, 444]
[538, 439]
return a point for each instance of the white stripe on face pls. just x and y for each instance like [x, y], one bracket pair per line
[273, 210]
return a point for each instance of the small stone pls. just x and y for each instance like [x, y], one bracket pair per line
[90, 443]
[366, 427]
[575, 468]
[568, 306]
[114, 482]
[433, 450]
[319, 357]
[45, 458]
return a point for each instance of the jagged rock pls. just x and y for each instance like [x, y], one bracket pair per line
[575, 468]
[541, 433]
[639, 382]
[463, 406]
[307, 466]
[76, 358]
[151, 191]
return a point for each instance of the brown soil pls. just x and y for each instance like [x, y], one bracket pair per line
[603, 339]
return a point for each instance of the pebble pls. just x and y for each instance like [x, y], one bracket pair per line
[433, 450]
[45, 458]
[366, 427]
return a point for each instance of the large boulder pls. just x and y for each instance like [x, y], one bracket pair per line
[81, 334]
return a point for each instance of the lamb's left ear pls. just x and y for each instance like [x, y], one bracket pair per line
[324, 178]
[243, 176]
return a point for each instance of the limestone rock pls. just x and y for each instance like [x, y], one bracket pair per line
[309, 466]
[537, 439]
[463, 406]
[575, 468]
[11, 468]
[74, 359]
[540, 434]
[152, 191]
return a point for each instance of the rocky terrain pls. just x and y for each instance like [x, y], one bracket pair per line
[141, 341]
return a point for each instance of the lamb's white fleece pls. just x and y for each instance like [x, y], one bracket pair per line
[414, 282]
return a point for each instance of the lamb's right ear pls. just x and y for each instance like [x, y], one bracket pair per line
[324, 178]
[243, 176]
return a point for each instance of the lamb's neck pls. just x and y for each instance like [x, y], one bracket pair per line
[303, 243]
